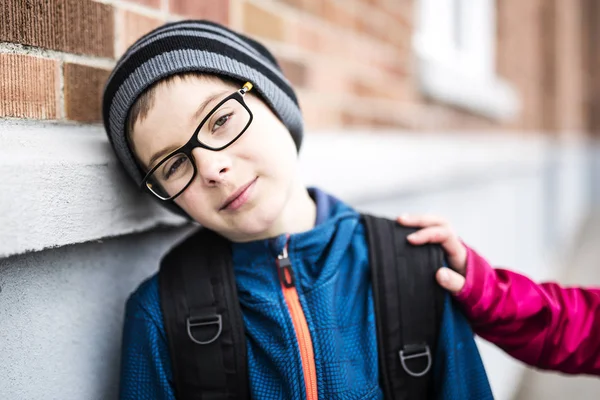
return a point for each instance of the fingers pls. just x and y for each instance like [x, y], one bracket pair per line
[422, 221]
[434, 234]
[450, 280]
[445, 236]
[438, 234]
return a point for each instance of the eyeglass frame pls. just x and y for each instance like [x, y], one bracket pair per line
[194, 142]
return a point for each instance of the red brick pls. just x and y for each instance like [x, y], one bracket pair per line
[405, 10]
[375, 115]
[148, 3]
[83, 92]
[327, 78]
[591, 12]
[366, 26]
[382, 89]
[314, 7]
[327, 42]
[28, 87]
[319, 113]
[570, 67]
[304, 35]
[293, 70]
[340, 14]
[133, 27]
[311, 6]
[526, 57]
[404, 17]
[294, 3]
[214, 10]
[378, 25]
[399, 34]
[262, 22]
[73, 26]
[395, 66]
[353, 118]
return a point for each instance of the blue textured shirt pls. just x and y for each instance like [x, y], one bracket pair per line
[331, 270]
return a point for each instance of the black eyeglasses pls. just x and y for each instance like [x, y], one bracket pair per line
[218, 130]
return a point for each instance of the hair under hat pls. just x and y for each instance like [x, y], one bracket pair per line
[192, 46]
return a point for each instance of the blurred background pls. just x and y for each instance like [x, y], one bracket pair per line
[483, 111]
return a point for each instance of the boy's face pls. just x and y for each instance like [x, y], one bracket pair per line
[263, 159]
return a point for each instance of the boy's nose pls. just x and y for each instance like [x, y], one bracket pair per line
[212, 166]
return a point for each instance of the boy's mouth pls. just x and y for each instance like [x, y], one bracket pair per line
[239, 197]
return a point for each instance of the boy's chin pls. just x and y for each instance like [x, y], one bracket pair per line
[253, 227]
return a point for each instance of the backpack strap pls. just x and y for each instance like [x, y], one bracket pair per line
[408, 308]
[203, 320]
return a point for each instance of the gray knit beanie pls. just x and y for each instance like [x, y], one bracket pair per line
[192, 46]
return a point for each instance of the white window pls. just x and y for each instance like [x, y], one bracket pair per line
[455, 42]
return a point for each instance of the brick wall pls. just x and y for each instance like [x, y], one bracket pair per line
[591, 28]
[542, 51]
[350, 60]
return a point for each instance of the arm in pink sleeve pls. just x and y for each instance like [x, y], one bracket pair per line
[543, 325]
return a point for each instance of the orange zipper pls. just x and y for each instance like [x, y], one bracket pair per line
[290, 295]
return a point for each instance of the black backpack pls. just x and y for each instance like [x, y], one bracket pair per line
[205, 330]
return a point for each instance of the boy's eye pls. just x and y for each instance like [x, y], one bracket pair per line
[173, 166]
[221, 121]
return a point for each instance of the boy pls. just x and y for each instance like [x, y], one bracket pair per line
[203, 119]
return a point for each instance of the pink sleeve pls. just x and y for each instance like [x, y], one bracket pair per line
[543, 325]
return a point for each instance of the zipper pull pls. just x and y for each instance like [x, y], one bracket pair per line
[284, 268]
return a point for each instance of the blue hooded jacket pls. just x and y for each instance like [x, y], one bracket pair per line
[332, 277]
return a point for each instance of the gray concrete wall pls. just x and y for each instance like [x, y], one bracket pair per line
[61, 307]
[61, 185]
[61, 314]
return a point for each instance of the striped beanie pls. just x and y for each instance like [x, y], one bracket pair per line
[192, 46]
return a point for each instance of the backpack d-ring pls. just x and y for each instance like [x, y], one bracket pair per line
[410, 352]
[200, 322]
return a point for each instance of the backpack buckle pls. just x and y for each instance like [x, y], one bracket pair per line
[203, 322]
[414, 351]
